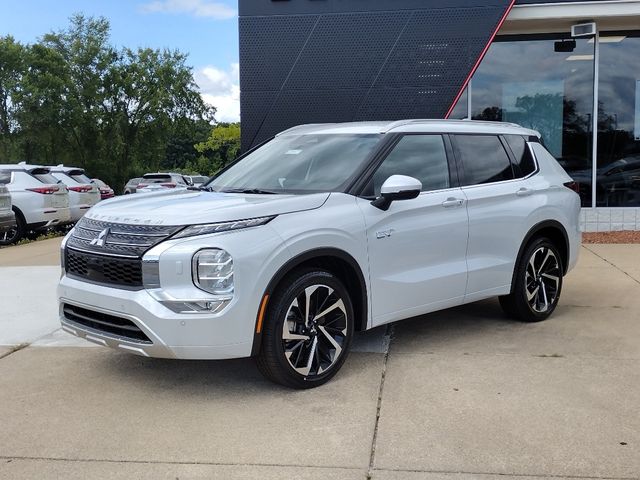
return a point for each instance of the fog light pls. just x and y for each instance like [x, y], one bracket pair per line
[212, 271]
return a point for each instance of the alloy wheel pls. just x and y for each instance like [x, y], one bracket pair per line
[9, 236]
[542, 279]
[315, 330]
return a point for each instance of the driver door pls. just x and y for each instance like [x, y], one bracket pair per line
[417, 248]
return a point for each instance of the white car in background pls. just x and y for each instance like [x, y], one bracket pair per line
[161, 181]
[83, 192]
[196, 180]
[39, 199]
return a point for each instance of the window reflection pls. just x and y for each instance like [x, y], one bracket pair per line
[618, 172]
[524, 80]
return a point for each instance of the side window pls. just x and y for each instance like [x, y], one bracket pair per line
[484, 159]
[420, 156]
[525, 164]
[5, 176]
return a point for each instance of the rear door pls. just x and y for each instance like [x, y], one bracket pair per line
[499, 201]
[417, 247]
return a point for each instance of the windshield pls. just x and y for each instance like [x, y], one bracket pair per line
[299, 164]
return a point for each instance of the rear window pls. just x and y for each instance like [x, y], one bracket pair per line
[524, 163]
[44, 176]
[5, 176]
[64, 178]
[79, 176]
[156, 178]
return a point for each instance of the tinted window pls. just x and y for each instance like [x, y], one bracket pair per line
[419, 156]
[80, 177]
[156, 178]
[483, 158]
[5, 176]
[524, 160]
[44, 176]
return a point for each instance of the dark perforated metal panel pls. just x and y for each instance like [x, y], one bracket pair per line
[352, 60]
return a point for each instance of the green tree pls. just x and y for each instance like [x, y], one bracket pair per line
[222, 146]
[12, 68]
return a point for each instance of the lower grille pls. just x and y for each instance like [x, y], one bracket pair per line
[122, 272]
[104, 323]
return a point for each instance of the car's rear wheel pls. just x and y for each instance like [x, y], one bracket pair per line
[307, 330]
[16, 232]
[537, 283]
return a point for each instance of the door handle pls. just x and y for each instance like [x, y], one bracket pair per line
[452, 202]
[525, 192]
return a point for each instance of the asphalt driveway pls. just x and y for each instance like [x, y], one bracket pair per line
[458, 394]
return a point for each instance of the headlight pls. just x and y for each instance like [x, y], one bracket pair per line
[222, 227]
[212, 271]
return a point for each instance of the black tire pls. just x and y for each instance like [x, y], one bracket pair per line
[537, 283]
[15, 234]
[289, 301]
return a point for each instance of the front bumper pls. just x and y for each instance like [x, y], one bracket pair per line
[227, 333]
[7, 221]
[171, 335]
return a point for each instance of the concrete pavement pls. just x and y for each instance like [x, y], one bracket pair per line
[460, 394]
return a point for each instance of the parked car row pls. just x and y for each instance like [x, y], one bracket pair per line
[42, 197]
[151, 182]
[34, 198]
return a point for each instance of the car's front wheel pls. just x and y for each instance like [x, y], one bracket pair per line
[307, 330]
[538, 283]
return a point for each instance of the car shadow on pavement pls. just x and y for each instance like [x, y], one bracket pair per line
[468, 324]
[202, 378]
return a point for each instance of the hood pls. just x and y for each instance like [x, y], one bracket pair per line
[187, 207]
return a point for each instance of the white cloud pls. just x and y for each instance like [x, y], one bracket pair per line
[197, 8]
[221, 89]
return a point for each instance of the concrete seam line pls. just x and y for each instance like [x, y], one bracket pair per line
[499, 474]
[14, 349]
[390, 329]
[152, 462]
[612, 264]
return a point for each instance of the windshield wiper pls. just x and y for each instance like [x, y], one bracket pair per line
[254, 191]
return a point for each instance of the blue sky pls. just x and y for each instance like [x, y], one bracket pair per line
[205, 29]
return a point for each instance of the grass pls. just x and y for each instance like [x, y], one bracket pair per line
[31, 237]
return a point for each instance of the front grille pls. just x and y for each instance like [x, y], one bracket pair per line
[118, 238]
[104, 323]
[121, 272]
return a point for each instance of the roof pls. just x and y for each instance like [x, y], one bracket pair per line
[21, 166]
[412, 126]
[61, 168]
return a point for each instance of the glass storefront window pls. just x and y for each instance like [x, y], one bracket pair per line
[526, 81]
[618, 162]
[461, 110]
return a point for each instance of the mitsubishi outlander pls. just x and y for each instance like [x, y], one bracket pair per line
[323, 231]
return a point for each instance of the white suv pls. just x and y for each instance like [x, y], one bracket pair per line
[83, 192]
[39, 200]
[323, 231]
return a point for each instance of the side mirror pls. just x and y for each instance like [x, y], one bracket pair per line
[397, 187]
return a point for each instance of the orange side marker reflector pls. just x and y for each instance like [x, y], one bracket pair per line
[263, 307]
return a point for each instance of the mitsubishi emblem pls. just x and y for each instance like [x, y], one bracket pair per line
[100, 239]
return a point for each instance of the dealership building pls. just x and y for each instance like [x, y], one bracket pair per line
[569, 69]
